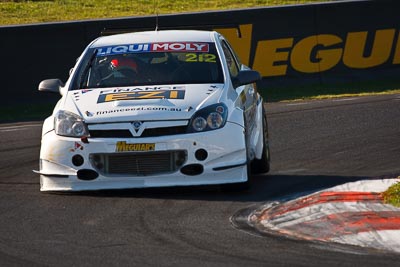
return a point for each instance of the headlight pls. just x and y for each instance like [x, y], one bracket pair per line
[210, 118]
[69, 124]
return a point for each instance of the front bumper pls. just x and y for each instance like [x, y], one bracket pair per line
[225, 161]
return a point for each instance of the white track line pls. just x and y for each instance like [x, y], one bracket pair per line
[18, 127]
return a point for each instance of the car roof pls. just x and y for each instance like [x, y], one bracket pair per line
[155, 37]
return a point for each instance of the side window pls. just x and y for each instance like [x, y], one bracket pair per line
[230, 60]
[234, 53]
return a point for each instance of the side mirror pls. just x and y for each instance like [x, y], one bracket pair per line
[246, 77]
[51, 86]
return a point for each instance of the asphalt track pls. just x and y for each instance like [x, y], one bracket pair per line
[314, 145]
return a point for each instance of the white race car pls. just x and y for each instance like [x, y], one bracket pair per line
[155, 109]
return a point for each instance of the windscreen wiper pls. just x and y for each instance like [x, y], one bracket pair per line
[86, 69]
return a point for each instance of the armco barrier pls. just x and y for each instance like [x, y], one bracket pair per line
[341, 41]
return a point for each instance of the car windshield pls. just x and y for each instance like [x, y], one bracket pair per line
[149, 64]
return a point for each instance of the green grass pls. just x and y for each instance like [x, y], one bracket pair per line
[392, 195]
[22, 12]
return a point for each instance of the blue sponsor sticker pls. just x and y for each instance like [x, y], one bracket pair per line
[123, 49]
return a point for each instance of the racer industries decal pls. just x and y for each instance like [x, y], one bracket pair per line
[123, 146]
[162, 94]
[76, 96]
[77, 146]
[153, 47]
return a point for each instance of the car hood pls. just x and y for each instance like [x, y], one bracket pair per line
[142, 103]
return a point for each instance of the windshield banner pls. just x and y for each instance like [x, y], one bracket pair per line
[154, 47]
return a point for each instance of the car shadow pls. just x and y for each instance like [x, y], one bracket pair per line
[265, 188]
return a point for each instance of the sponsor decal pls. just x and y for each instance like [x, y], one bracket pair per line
[123, 49]
[316, 53]
[77, 146]
[123, 146]
[84, 91]
[76, 96]
[146, 88]
[180, 47]
[121, 110]
[162, 94]
[153, 47]
[192, 57]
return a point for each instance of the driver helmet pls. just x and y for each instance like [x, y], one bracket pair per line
[123, 63]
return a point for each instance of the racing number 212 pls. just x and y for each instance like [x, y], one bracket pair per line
[191, 57]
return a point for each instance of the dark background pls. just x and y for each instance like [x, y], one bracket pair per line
[32, 53]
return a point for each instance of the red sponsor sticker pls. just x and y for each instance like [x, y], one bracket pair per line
[180, 47]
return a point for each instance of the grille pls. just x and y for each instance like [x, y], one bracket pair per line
[152, 132]
[164, 131]
[110, 133]
[139, 164]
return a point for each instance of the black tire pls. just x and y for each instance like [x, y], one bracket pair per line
[263, 165]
